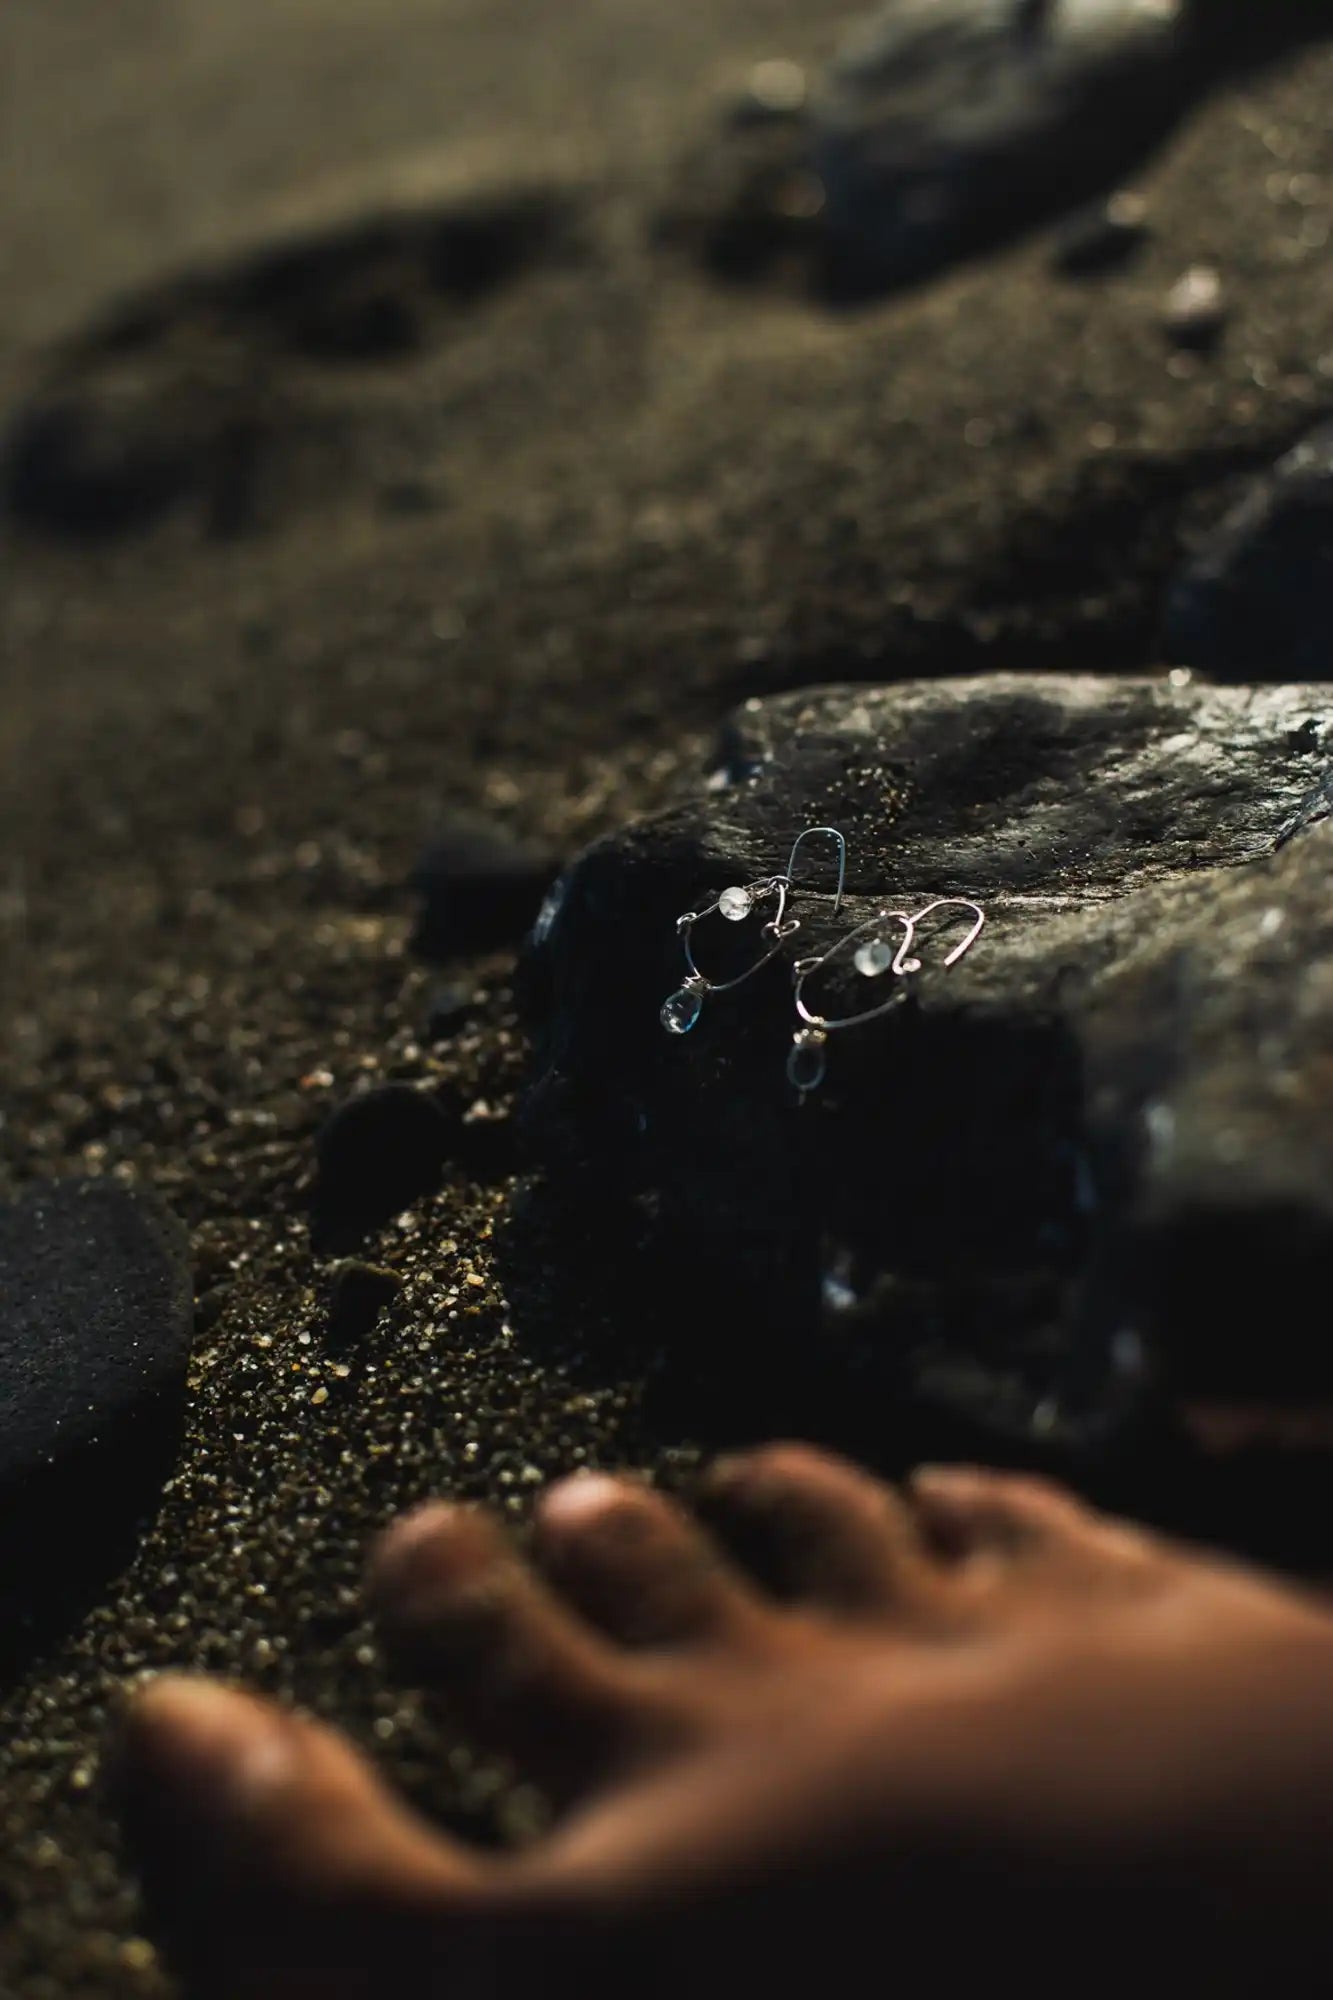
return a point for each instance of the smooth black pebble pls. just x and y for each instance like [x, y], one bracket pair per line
[96, 1314]
[481, 889]
[377, 1154]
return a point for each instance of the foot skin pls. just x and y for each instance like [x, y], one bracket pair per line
[975, 1731]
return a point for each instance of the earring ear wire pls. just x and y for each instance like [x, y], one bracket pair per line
[809, 834]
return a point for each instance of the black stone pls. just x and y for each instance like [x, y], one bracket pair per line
[945, 123]
[377, 1154]
[96, 1308]
[360, 1294]
[1256, 600]
[481, 889]
[1057, 1184]
[945, 127]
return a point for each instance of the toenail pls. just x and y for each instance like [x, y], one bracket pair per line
[587, 1497]
[725, 1470]
[206, 1747]
[944, 1475]
[738, 1472]
[406, 1556]
[764, 1474]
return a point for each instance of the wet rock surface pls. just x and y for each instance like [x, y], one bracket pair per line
[1257, 597]
[1039, 1190]
[95, 1322]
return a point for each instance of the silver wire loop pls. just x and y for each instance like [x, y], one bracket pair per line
[902, 964]
[809, 834]
[776, 928]
[807, 1060]
[681, 1010]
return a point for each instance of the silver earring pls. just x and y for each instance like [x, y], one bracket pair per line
[872, 955]
[683, 1008]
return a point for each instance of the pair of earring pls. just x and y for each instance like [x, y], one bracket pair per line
[873, 955]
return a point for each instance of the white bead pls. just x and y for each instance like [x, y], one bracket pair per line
[735, 904]
[873, 958]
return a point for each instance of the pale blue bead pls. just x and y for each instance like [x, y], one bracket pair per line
[681, 1011]
[807, 1063]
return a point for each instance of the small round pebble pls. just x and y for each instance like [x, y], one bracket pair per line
[360, 1294]
[481, 888]
[378, 1153]
[1195, 311]
[775, 89]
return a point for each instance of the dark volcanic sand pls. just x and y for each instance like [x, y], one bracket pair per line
[523, 565]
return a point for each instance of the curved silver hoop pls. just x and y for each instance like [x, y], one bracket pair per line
[807, 1061]
[777, 928]
[682, 1009]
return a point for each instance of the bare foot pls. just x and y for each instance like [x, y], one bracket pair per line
[977, 1733]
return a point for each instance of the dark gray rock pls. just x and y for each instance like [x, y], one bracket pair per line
[96, 1308]
[1066, 1177]
[946, 122]
[1257, 598]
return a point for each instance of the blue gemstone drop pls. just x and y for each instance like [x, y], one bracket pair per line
[681, 1011]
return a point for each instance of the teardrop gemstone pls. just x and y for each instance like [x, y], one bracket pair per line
[807, 1061]
[682, 1010]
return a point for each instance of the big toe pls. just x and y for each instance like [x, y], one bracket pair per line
[271, 1854]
